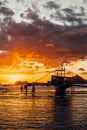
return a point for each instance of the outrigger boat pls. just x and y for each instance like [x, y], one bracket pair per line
[61, 82]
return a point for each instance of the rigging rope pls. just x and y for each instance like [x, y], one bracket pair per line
[54, 71]
[45, 75]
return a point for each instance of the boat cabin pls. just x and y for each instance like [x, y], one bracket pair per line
[56, 80]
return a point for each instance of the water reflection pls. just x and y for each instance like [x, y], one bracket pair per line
[79, 109]
[62, 112]
[45, 111]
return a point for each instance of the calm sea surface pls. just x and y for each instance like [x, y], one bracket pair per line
[44, 111]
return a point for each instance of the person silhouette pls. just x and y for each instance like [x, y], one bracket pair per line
[21, 88]
[26, 89]
[33, 89]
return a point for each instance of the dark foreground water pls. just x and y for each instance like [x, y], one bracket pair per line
[44, 111]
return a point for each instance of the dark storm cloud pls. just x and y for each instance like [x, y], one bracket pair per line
[52, 5]
[23, 29]
[45, 38]
[3, 37]
[82, 11]
[68, 15]
[75, 40]
[0, 3]
[31, 14]
[73, 17]
[37, 36]
[41, 33]
[84, 1]
[3, 2]
[40, 29]
[47, 29]
[20, 0]
[6, 11]
[4, 44]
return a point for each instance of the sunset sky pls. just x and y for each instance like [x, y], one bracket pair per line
[37, 36]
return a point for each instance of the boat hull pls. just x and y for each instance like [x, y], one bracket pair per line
[61, 88]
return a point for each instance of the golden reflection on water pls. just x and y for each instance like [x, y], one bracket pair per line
[26, 111]
[79, 108]
[21, 111]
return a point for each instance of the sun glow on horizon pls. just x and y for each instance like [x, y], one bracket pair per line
[12, 78]
[28, 70]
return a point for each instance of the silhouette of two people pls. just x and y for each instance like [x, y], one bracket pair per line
[26, 89]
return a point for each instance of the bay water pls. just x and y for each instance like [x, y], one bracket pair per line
[44, 110]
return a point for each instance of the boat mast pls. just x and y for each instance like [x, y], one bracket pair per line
[62, 70]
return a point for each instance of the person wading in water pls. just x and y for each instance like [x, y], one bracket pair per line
[33, 89]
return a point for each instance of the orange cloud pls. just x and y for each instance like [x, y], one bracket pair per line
[50, 45]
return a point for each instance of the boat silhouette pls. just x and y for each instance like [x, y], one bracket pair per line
[61, 82]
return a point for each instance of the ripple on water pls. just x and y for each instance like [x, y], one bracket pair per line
[44, 111]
